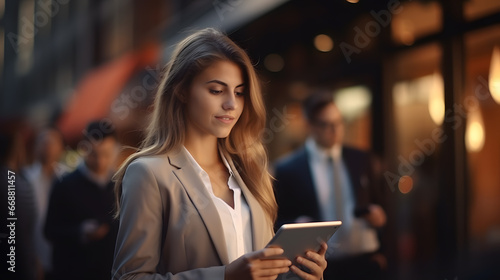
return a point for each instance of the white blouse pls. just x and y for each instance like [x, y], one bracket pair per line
[235, 221]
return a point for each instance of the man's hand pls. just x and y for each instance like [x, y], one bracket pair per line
[376, 216]
[93, 231]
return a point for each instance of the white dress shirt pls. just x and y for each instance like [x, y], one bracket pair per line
[235, 221]
[42, 186]
[355, 236]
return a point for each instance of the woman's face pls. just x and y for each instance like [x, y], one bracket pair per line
[215, 100]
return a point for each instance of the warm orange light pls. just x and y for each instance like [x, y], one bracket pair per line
[494, 79]
[353, 1]
[474, 131]
[323, 43]
[405, 184]
[403, 30]
[436, 99]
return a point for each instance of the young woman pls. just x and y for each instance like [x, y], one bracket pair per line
[196, 201]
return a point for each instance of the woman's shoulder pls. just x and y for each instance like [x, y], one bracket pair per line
[147, 168]
[157, 164]
[162, 161]
[150, 162]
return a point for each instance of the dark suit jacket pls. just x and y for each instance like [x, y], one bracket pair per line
[296, 193]
[75, 199]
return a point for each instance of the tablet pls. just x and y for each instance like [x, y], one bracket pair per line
[297, 239]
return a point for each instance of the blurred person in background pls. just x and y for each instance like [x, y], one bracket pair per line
[49, 147]
[80, 222]
[12, 158]
[325, 180]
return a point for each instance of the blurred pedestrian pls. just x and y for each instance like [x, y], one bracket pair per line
[49, 147]
[80, 222]
[325, 180]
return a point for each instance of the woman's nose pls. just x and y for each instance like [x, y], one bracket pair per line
[229, 102]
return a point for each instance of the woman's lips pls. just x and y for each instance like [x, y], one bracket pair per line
[225, 119]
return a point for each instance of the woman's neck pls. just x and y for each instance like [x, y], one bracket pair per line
[206, 153]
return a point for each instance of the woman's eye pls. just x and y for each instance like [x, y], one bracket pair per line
[213, 91]
[242, 93]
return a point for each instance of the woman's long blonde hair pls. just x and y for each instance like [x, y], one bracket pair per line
[166, 131]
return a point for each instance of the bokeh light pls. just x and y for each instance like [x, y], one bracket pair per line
[274, 62]
[323, 43]
[405, 184]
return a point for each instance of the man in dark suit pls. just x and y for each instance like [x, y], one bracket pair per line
[326, 181]
[80, 221]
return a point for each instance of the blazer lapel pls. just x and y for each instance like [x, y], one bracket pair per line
[259, 224]
[201, 199]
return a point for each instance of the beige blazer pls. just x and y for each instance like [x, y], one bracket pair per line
[169, 226]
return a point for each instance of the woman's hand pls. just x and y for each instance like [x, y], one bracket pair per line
[314, 261]
[254, 265]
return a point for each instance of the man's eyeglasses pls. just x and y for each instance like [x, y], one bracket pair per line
[324, 125]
